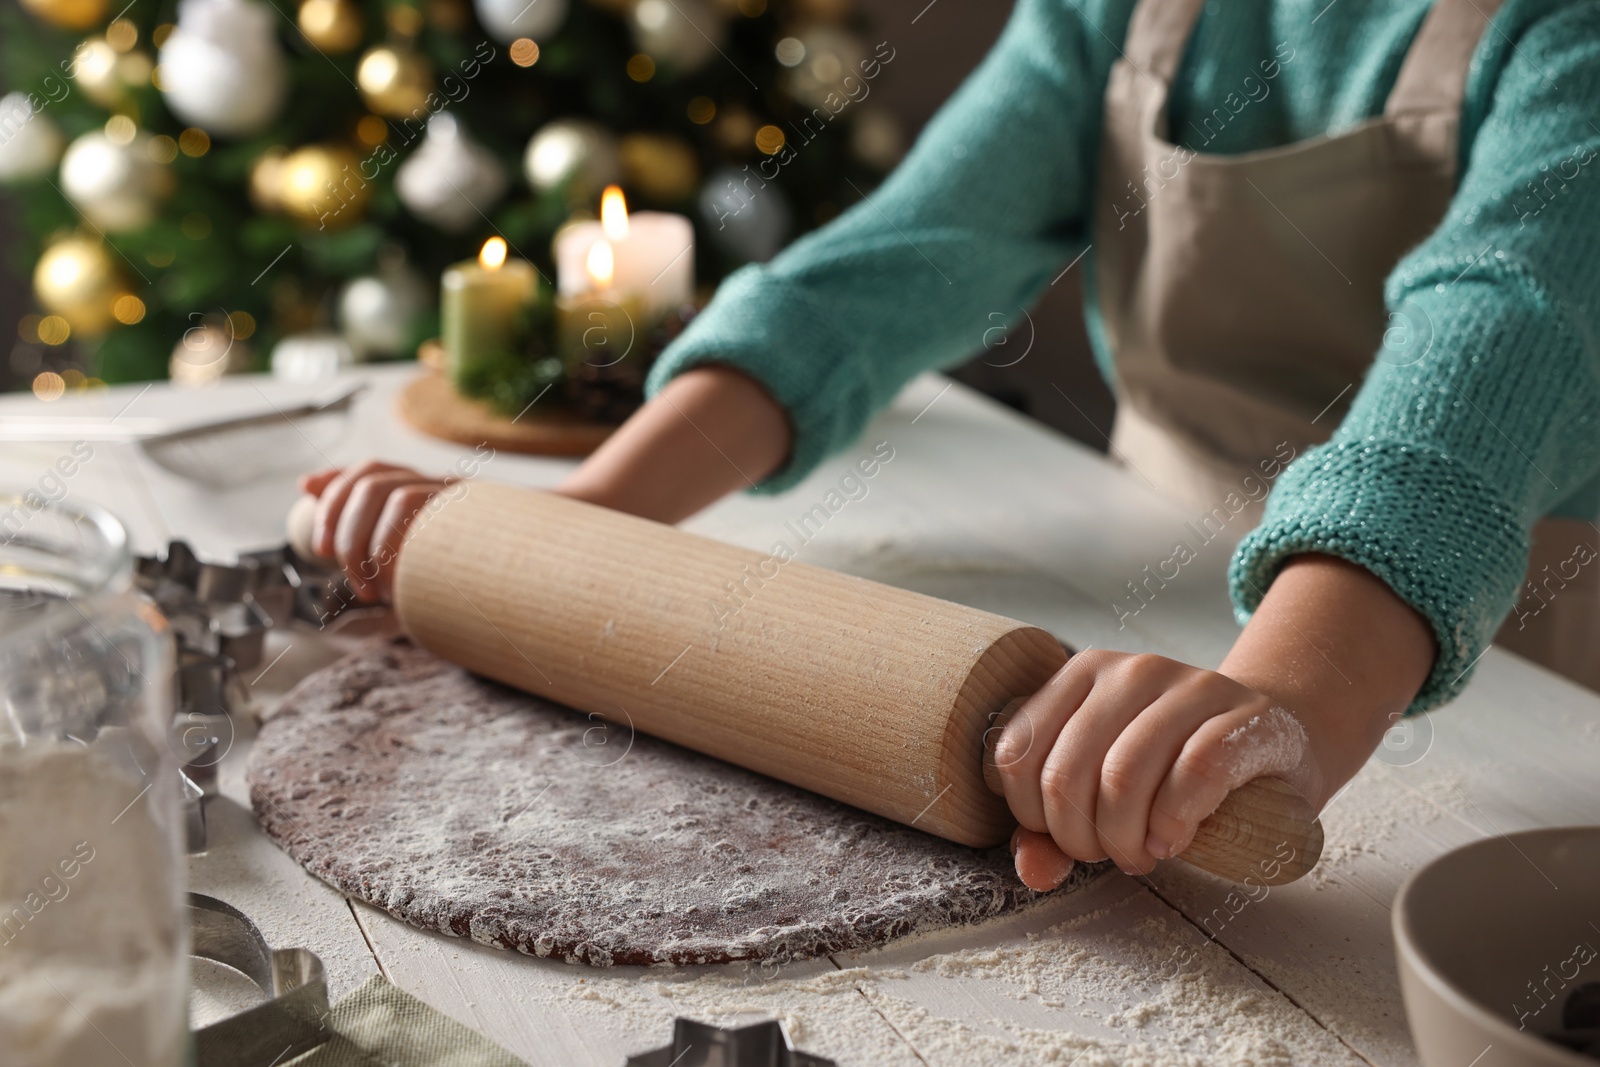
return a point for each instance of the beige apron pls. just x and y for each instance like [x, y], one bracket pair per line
[1242, 294]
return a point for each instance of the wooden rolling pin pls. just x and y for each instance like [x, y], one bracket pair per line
[869, 694]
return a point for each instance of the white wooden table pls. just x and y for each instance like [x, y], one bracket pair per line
[979, 506]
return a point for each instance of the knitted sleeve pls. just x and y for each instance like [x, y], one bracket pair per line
[1482, 411]
[985, 210]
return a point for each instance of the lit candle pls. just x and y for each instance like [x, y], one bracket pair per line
[485, 308]
[651, 253]
[600, 325]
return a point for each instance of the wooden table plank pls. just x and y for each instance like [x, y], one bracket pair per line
[556, 1014]
[1109, 974]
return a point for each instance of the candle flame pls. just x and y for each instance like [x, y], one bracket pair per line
[601, 263]
[493, 255]
[614, 213]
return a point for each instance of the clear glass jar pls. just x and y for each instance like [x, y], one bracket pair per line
[93, 931]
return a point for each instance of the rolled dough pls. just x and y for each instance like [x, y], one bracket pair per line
[465, 807]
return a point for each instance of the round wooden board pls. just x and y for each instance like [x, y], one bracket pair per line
[430, 403]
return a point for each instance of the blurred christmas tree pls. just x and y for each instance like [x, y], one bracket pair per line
[219, 175]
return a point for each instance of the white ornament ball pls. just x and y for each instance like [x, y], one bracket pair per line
[750, 223]
[114, 185]
[32, 143]
[506, 20]
[222, 68]
[450, 180]
[679, 34]
[376, 311]
[311, 357]
[583, 153]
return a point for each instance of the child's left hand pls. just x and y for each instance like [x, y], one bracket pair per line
[1124, 755]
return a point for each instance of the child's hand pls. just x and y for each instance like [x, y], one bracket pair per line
[1124, 755]
[362, 516]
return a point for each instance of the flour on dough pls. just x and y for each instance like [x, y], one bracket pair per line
[465, 807]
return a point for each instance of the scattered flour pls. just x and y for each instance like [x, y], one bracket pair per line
[91, 972]
[1129, 983]
[1348, 982]
[1446, 792]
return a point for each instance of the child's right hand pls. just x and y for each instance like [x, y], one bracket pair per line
[361, 519]
[1123, 756]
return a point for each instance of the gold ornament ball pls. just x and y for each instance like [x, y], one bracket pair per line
[266, 180]
[77, 279]
[322, 184]
[394, 83]
[332, 26]
[94, 65]
[205, 353]
[661, 167]
[735, 130]
[69, 14]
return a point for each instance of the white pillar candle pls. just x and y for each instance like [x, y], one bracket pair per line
[652, 256]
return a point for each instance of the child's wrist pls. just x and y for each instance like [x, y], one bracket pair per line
[1342, 728]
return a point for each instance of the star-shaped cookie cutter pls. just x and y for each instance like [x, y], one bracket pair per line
[696, 1044]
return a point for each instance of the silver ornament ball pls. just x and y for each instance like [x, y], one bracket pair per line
[744, 218]
[681, 35]
[506, 20]
[376, 311]
[451, 179]
[573, 151]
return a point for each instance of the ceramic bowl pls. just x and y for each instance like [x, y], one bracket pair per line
[1491, 940]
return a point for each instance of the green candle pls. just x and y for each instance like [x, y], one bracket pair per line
[485, 308]
[599, 330]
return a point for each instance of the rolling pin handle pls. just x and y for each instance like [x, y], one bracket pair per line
[298, 526]
[1263, 831]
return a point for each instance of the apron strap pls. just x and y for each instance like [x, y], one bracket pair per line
[1433, 77]
[1157, 35]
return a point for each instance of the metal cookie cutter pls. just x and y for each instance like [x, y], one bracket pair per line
[220, 614]
[219, 627]
[695, 1044]
[305, 590]
[292, 1022]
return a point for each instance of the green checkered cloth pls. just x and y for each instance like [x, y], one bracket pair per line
[379, 1025]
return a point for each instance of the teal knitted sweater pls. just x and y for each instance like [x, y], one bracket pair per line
[1440, 469]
